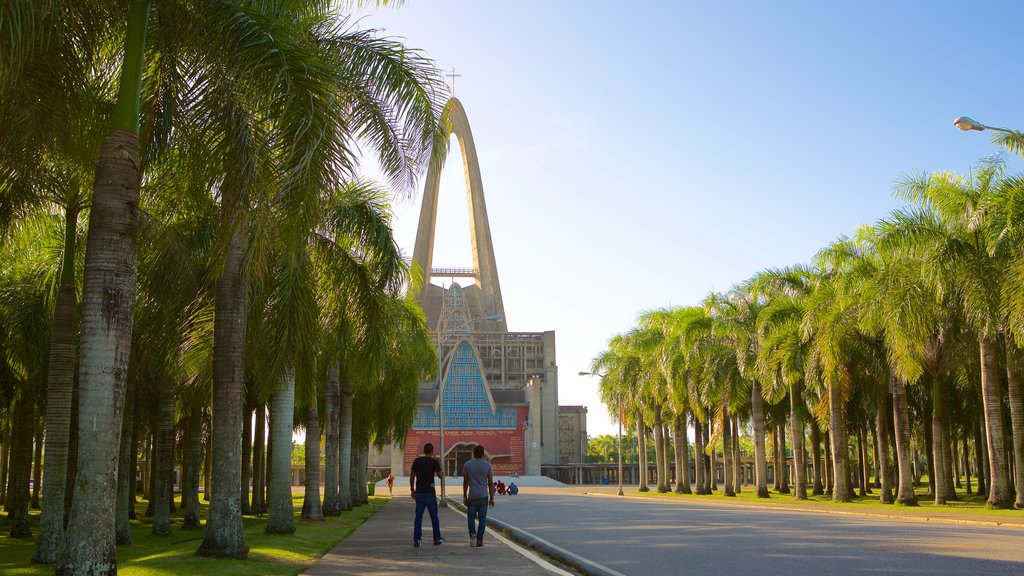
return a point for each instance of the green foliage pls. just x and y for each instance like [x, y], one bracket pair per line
[156, 555]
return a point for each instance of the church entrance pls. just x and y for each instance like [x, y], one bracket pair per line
[457, 458]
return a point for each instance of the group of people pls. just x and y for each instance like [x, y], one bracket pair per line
[501, 489]
[478, 489]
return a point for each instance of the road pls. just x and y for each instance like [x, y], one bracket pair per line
[642, 537]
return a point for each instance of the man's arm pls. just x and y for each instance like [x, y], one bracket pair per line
[465, 487]
[412, 482]
[490, 487]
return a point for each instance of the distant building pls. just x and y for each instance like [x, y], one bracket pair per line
[497, 388]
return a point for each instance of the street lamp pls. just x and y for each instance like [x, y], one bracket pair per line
[599, 375]
[440, 390]
[967, 124]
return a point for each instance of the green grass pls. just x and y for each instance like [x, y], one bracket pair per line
[176, 554]
[967, 506]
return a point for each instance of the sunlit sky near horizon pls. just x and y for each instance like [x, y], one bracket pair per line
[640, 155]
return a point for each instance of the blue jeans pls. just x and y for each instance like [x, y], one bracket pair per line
[428, 501]
[477, 507]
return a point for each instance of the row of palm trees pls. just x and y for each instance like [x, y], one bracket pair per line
[190, 171]
[910, 332]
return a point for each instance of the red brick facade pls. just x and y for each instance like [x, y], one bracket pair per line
[505, 448]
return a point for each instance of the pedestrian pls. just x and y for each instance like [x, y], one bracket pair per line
[391, 484]
[513, 489]
[421, 481]
[477, 494]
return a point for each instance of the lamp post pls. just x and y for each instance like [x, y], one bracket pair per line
[440, 391]
[966, 124]
[620, 428]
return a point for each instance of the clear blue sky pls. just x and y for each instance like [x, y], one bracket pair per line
[636, 155]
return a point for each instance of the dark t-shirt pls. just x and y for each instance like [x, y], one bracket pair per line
[423, 468]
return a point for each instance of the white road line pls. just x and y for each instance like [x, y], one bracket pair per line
[528, 554]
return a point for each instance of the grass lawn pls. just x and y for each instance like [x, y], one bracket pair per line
[968, 506]
[176, 554]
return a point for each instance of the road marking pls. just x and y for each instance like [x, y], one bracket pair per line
[529, 555]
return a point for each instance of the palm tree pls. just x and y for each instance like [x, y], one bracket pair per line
[621, 365]
[949, 227]
[27, 259]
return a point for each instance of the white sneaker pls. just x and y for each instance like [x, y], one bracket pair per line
[472, 540]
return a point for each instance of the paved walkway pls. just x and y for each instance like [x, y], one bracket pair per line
[383, 545]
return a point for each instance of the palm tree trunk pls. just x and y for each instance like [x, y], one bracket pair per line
[37, 464]
[829, 465]
[882, 447]
[878, 459]
[796, 425]
[840, 453]
[760, 462]
[122, 522]
[659, 451]
[783, 475]
[362, 456]
[345, 495]
[966, 453]
[955, 458]
[246, 459]
[666, 464]
[929, 435]
[281, 512]
[710, 470]
[170, 467]
[641, 437]
[311, 509]
[817, 488]
[727, 448]
[682, 455]
[5, 461]
[331, 446]
[108, 297]
[940, 443]
[1016, 421]
[268, 462]
[736, 454]
[165, 459]
[208, 459]
[193, 453]
[151, 484]
[259, 455]
[21, 464]
[999, 489]
[698, 455]
[979, 458]
[223, 536]
[862, 462]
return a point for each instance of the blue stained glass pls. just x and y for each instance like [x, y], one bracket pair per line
[466, 406]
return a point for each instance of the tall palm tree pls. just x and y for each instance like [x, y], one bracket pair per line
[949, 227]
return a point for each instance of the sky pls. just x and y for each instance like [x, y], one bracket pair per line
[642, 155]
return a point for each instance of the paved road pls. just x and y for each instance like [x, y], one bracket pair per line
[641, 537]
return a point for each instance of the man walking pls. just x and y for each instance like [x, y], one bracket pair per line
[477, 494]
[421, 481]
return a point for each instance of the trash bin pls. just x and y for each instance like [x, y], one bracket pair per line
[369, 488]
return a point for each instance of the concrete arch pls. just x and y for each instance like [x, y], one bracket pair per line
[484, 265]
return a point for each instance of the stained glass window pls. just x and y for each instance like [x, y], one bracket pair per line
[466, 405]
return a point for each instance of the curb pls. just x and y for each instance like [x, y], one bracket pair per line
[541, 546]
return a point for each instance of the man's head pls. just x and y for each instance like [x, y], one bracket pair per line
[428, 448]
[478, 451]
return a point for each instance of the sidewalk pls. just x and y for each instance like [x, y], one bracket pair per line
[383, 545]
